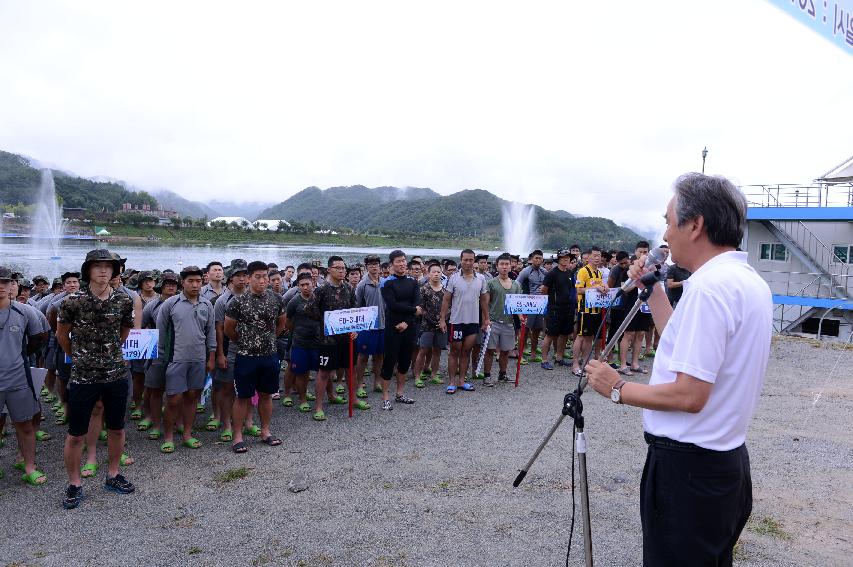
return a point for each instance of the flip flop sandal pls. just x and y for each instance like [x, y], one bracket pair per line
[60, 412]
[199, 408]
[19, 466]
[419, 383]
[240, 447]
[89, 470]
[136, 415]
[577, 373]
[167, 447]
[272, 441]
[213, 424]
[638, 370]
[467, 387]
[226, 436]
[42, 436]
[276, 396]
[35, 478]
[451, 389]
[339, 389]
[310, 397]
[319, 416]
[144, 425]
[361, 405]
[154, 434]
[132, 404]
[179, 429]
[192, 443]
[102, 436]
[625, 371]
[44, 391]
[254, 431]
[337, 400]
[287, 401]
[361, 393]
[61, 419]
[126, 460]
[305, 408]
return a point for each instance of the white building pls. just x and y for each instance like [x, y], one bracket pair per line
[229, 220]
[800, 239]
[271, 224]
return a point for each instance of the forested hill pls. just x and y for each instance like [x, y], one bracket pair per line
[19, 182]
[417, 210]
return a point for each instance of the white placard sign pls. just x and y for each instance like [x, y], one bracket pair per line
[141, 344]
[594, 299]
[525, 304]
[350, 320]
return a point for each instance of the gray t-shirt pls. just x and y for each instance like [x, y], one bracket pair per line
[368, 294]
[191, 335]
[16, 321]
[465, 301]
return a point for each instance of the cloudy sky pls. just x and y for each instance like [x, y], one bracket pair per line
[593, 107]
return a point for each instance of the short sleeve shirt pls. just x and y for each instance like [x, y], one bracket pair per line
[329, 297]
[431, 304]
[465, 303]
[96, 335]
[17, 322]
[497, 299]
[561, 288]
[587, 278]
[307, 328]
[256, 316]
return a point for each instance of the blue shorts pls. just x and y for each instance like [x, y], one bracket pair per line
[256, 374]
[370, 342]
[304, 360]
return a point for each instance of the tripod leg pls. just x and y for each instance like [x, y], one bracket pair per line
[523, 472]
[580, 444]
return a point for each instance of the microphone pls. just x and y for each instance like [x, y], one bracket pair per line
[654, 257]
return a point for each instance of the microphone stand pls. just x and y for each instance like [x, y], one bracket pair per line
[573, 407]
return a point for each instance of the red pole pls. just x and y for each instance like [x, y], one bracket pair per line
[521, 353]
[350, 376]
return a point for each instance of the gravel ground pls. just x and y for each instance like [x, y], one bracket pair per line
[430, 484]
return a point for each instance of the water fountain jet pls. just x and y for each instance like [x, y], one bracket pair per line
[47, 225]
[519, 223]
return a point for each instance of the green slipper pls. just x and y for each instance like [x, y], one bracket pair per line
[61, 419]
[132, 404]
[310, 397]
[436, 379]
[154, 434]
[254, 431]
[536, 359]
[361, 392]
[42, 436]
[305, 408]
[287, 401]
[192, 443]
[199, 408]
[179, 429]
[50, 398]
[167, 447]
[44, 391]
[102, 436]
[319, 416]
[126, 460]
[377, 388]
[35, 478]
[213, 424]
[337, 400]
[90, 468]
[419, 383]
[361, 404]
[136, 415]
[340, 389]
[226, 436]
[144, 425]
[523, 361]
[19, 466]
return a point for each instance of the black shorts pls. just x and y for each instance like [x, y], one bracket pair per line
[256, 374]
[588, 324]
[617, 316]
[463, 330]
[641, 322]
[83, 397]
[398, 352]
[559, 322]
[335, 356]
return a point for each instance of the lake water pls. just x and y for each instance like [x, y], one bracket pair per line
[20, 255]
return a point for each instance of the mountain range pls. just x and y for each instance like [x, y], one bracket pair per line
[409, 210]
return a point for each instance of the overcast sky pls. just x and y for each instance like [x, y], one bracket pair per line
[593, 107]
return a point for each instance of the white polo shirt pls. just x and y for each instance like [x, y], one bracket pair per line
[720, 333]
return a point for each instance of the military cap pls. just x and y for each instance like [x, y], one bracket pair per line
[5, 273]
[100, 255]
[191, 271]
[238, 265]
[67, 275]
[40, 278]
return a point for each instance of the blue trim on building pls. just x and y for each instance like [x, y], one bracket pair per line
[800, 213]
[813, 302]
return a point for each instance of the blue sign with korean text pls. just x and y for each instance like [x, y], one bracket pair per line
[350, 320]
[141, 344]
[832, 19]
[525, 304]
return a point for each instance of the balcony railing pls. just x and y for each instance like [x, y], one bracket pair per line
[793, 195]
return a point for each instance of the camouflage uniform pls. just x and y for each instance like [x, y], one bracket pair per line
[96, 335]
[256, 317]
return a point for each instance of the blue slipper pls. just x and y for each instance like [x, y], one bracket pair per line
[467, 387]
[451, 389]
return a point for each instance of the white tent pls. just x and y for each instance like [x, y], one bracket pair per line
[272, 224]
[841, 174]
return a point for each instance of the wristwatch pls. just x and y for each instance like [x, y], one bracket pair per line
[616, 392]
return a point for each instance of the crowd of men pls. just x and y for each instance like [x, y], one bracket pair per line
[240, 335]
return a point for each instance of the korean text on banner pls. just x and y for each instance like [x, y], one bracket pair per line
[524, 304]
[595, 299]
[141, 344]
[350, 320]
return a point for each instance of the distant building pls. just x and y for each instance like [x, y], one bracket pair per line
[271, 224]
[229, 220]
[800, 239]
[148, 211]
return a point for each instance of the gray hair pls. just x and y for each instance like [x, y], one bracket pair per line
[717, 201]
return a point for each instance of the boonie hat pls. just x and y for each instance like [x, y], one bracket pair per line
[5, 273]
[40, 278]
[238, 265]
[100, 255]
[563, 252]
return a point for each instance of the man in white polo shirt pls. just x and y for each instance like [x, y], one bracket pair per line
[696, 490]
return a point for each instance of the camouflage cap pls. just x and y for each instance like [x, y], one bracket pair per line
[563, 252]
[100, 255]
[169, 277]
[146, 275]
[67, 275]
[57, 281]
[5, 273]
[40, 278]
[192, 271]
[25, 283]
[133, 281]
[238, 265]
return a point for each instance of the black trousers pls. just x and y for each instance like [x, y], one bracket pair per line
[694, 503]
[398, 351]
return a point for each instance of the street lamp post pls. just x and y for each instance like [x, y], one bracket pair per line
[704, 155]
